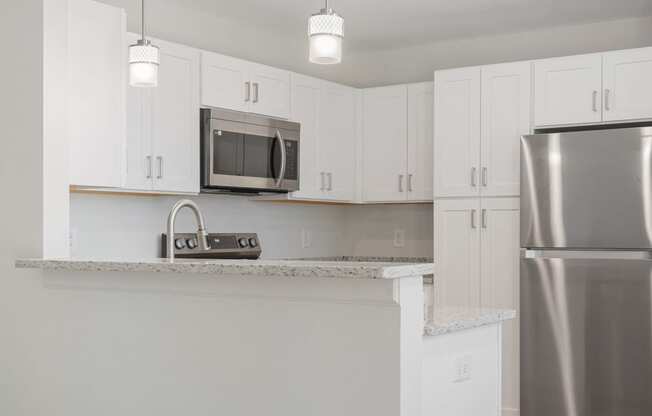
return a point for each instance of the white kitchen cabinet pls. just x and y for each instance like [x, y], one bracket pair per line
[457, 252]
[96, 94]
[163, 128]
[384, 156]
[420, 141]
[336, 147]
[240, 85]
[506, 97]
[457, 132]
[568, 90]
[499, 287]
[627, 84]
[305, 110]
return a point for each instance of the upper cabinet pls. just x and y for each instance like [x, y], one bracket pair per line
[96, 93]
[480, 116]
[568, 90]
[244, 86]
[457, 132]
[587, 89]
[397, 143]
[627, 82]
[163, 127]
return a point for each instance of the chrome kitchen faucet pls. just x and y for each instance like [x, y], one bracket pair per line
[201, 230]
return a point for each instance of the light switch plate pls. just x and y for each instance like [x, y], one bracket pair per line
[462, 369]
[306, 238]
[399, 238]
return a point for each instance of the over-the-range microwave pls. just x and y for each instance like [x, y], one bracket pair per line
[242, 152]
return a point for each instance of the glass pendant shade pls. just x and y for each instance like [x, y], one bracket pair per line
[143, 64]
[326, 31]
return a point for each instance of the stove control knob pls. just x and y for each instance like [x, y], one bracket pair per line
[191, 243]
[180, 244]
[243, 242]
[253, 243]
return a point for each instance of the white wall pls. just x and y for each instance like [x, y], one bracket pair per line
[123, 225]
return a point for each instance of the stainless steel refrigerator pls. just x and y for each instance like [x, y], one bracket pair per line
[586, 273]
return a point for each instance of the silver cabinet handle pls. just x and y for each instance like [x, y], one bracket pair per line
[474, 176]
[595, 101]
[400, 183]
[484, 218]
[409, 184]
[330, 181]
[473, 219]
[160, 167]
[323, 182]
[607, 106]
[281, 143]
[484, 176]
[256, 92]
[247, 91]
[149, 167]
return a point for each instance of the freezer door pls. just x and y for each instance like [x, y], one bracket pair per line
[586, 337]
[587, 189]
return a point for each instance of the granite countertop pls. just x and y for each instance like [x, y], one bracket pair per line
[448, 320]
[271, 268]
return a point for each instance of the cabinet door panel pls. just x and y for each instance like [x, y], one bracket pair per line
[305, 110]
[336, 147]
[175, 127]
[96, 93]
[567, 90]
[420, 141]
[270, 94]
[139, 146]
[384, 154]
[223, 82]
[505, 118]
[500, 281]
[457, 132]
[457, 252]
[628, 85]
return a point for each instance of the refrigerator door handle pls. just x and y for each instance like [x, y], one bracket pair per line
[537, 253]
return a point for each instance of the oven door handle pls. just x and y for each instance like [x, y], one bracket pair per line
[281, 175]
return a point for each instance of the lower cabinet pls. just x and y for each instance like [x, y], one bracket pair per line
[477, 265]
[163, 127]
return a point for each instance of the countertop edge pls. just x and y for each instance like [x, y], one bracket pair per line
[450, 320]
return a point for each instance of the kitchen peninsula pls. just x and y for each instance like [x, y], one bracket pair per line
[292, 337]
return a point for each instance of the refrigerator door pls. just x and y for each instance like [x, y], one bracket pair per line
[586, 335]
[587, 190]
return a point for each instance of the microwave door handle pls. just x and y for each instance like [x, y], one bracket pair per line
[281, 175]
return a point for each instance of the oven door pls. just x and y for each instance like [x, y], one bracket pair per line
[251, 157]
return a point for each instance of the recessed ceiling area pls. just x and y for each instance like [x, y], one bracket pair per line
[374, 25]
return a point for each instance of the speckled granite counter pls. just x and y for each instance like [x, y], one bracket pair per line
[271, 268]
[448, 320]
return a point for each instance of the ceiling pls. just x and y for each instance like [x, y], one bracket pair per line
[375, 25]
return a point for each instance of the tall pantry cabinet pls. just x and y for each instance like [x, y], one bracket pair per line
[480, 113]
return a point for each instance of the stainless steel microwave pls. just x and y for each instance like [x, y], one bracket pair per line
[243, 152]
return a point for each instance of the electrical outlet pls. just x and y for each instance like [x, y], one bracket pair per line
[399, 238]
[306, 238]
[462, 369]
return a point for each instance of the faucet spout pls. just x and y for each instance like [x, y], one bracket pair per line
[202, 235]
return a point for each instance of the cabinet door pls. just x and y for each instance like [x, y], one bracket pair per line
[139, 158]
[225, 82]
[499, 272]
[336, 147]
[96, 93]
[506, 104]
[420, 151]
[384, 145]
[305, 110]
[628, 85]
[457, 132]
[270, 91]
[457, 252]
[567, 90]
[175, 120]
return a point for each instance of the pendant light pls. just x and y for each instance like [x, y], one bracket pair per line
[326, 31]
[143, 59]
